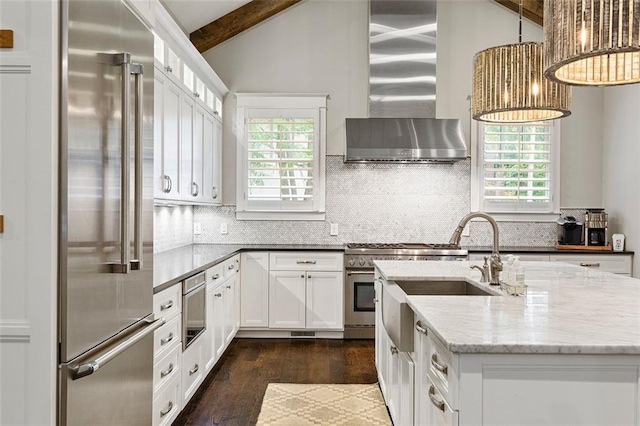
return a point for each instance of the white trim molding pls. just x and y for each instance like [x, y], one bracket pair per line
[15, 331]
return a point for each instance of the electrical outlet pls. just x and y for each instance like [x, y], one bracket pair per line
[334, 229]
[197, 228]
[223, 229]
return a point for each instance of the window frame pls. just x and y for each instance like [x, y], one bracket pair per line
[260, 210]
[522, 211]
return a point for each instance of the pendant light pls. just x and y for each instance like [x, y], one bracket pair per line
[509, 85]
[592, 42]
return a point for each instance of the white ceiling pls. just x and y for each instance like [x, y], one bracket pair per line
[194, 14]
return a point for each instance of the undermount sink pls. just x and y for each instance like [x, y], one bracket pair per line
[441, 288]
[397, 316]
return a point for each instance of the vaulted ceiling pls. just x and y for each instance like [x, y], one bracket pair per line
[211, 22]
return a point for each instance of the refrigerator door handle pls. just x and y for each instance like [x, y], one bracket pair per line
[123, 60]
[136, 262]
[88, 368]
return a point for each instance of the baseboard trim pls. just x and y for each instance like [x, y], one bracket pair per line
[287, 334]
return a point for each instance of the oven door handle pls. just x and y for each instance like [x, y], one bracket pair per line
[359, 272]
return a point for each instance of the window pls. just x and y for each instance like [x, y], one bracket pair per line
[281, 157]
[516, 168]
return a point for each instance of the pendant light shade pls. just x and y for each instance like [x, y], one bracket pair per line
[592, 42]
[509, 86]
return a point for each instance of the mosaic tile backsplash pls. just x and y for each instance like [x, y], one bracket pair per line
[172, 227]
[370, 203]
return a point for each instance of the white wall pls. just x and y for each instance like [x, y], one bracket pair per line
[322, 46]
[621, 183]
[317, 46]
[28, 199]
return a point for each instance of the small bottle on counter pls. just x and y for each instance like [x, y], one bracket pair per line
[508, 269]
[517, 273]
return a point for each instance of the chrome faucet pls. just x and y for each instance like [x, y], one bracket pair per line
[495, 264]
[484, 270]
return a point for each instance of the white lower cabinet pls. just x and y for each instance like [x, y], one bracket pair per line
[506, 389]
[231, 308]
[434, 408]
[617, 263]
[396, 371]
[312, 300]
[167, 357]
[193, 369]
[167, 403]
[254, 290]
[325, 300]
[167, 368]
[217, 329]
[222, 305]
[289, 291]
[287, 295]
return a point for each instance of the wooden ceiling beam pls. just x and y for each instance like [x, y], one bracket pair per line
[236, 22]
[531, 9]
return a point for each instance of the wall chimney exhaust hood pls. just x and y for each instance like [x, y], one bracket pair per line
[405, 140]
[402, 84]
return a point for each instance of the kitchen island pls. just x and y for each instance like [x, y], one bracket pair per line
[568, 352]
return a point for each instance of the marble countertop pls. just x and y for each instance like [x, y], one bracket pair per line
[173, 266]
[567, 310]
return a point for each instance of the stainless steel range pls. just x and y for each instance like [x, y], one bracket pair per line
[359, 316]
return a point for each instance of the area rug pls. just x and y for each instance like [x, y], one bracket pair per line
[299, 405]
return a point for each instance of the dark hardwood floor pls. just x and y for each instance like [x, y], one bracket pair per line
[232, 392]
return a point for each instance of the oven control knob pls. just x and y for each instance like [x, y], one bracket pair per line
[352, 262]
[361, 261]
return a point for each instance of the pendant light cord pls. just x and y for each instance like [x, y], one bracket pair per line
[520, 24]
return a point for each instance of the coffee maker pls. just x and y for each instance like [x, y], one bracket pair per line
[596, 227]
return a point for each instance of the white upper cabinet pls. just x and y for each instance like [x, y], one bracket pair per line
[188, 128]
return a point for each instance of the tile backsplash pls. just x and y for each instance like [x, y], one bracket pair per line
[172, 227]
[370, 203]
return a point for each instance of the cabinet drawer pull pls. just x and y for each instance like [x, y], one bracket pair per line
[394, 350]
[231, 267]
[168, 371]
[420, 329]
[167, 410]
[434, 400]
[306, 262]
[218, 295]
[194, 370]
[166, 306]
[215, 277]
[441, 368]
[166, 339]
[590, 265]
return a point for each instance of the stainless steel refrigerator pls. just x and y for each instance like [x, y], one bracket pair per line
[106, 323]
